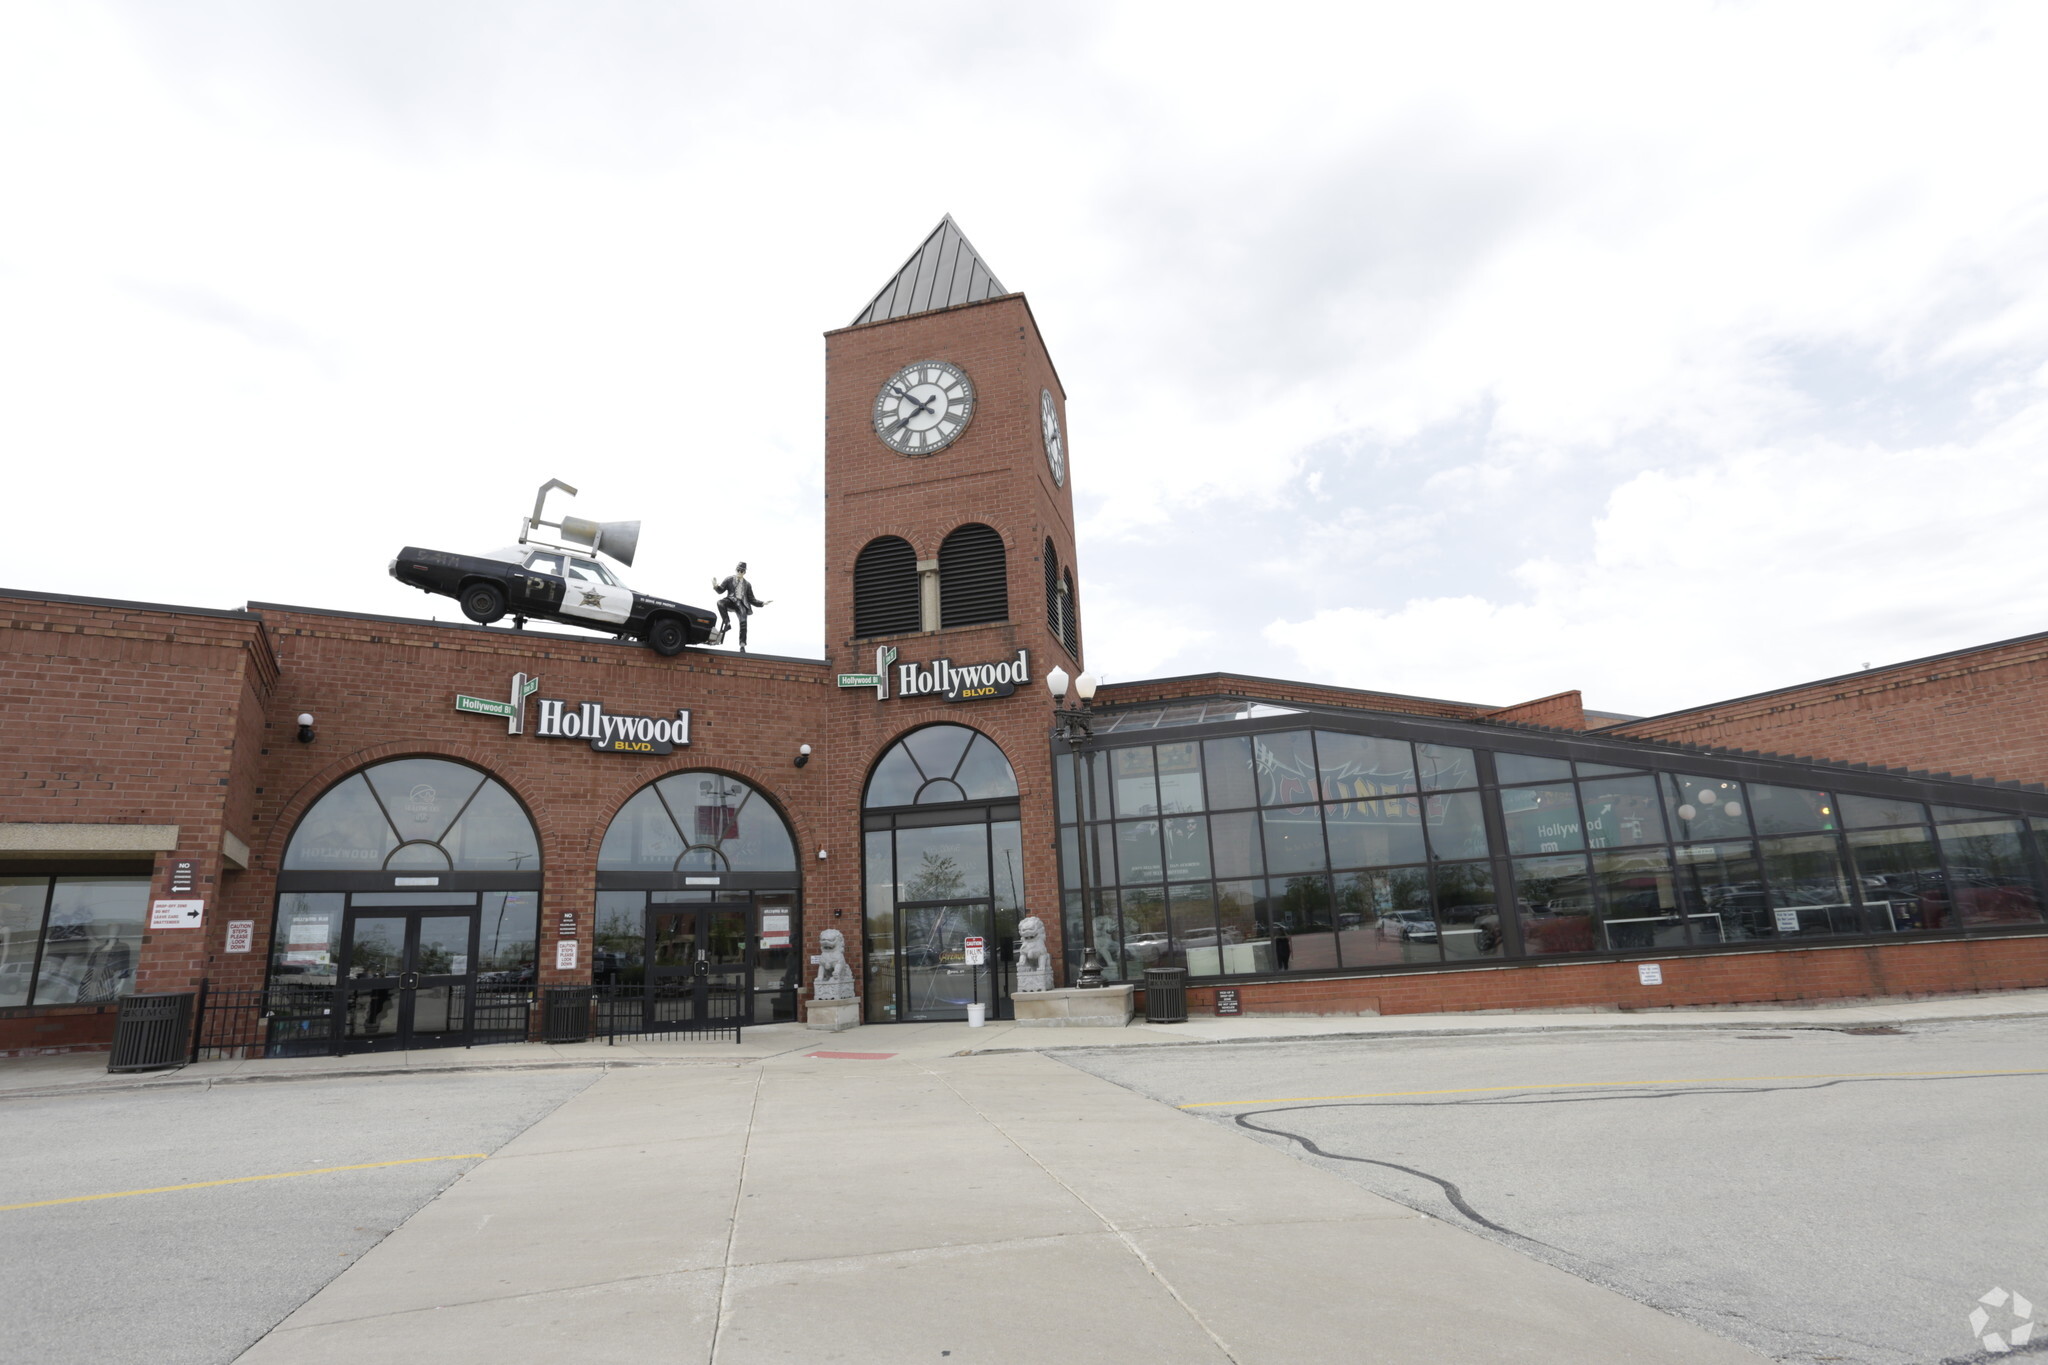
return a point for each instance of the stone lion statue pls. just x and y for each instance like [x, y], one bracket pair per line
[834, 980]
[1034, 960]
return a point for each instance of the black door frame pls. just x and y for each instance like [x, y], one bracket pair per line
[404, 988]
[697, 971]
[990, 983]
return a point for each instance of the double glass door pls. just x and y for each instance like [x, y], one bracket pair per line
[939, 980]
[407, 978]
[698, 961]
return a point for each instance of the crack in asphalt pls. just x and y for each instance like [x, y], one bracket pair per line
[1456, 1196]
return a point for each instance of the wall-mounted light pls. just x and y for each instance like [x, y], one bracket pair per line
[803, 754]
[821, 855]
[305, 727]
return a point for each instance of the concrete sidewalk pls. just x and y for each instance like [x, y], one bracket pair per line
[83, 1071]
[984, 1210]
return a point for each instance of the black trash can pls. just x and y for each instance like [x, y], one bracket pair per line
[566, 1016]
[152, 1032]
[1166, 995]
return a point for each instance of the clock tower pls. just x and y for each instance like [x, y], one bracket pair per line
[950, 573]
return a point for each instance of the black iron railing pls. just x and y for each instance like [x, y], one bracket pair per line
[661, 1009]
[310, 1021]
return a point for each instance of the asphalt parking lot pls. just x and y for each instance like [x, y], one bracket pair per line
[1818, 1195]
[193, 1277]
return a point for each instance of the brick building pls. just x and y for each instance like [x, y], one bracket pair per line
[410, 869]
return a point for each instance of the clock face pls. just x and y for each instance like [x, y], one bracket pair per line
[1049, 422]
[924, 407]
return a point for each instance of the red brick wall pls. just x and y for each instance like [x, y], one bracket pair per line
[1975, 713]
[1944, 967]
[1564, 711]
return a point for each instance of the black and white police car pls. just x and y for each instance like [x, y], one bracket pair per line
[564, 583]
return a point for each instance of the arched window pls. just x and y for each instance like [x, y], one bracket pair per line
[944, 865]
[941, 763]
[885, 588]
[415, 815]
[974, 577]
[697, 822]
[699, 909]
[408, 914]
[1070, 626]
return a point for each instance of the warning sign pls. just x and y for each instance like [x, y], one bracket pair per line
[241, 935]
[977, 950]
[1227, 1001]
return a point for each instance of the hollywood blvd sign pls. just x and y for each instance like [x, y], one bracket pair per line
[943, 677]
[606, 732]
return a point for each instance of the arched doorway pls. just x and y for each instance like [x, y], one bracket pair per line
[407, 913]
[699, 902]
[944, 864]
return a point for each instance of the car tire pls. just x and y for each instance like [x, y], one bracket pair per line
[483, 603]
[666, 636]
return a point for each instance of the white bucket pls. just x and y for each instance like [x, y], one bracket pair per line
[977, 1015]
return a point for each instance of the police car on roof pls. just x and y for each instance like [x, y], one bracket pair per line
[557, 582]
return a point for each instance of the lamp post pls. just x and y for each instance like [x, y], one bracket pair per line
[1076, 725]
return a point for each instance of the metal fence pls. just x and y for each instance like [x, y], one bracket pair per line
[661, 1009]
[310, 1021]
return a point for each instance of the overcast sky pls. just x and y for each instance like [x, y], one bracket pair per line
[1667, 351]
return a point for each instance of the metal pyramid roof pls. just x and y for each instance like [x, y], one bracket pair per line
[944, 271]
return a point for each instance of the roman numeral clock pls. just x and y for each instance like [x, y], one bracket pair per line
[924, 407]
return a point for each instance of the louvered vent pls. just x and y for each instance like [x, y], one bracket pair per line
[1053, 621]
[1071, 634]
[974, 577]
[885, 588]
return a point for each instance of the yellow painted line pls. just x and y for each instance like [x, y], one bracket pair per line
[242, 1180]
[1589, 1085]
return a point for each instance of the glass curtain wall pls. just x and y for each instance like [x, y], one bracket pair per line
[1314, 850]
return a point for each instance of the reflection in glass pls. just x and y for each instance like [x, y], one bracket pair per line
[1137, 852]
[1131, 778]
[1721, 893]
[344, 831]
[1443, 767]
[1228, 765]
[1070, 859]
[22, 901]
[1375, 833]
[1900, 876]
[1297, 925]
[1621, 812]
[940, 763]
[508, 937]
[1944, 814]
[1457, 826]
[879, 958]
[377, 946]
[942, 863]
[1357, 766]
[985, 775]
[1234, 949]
[1180, 777]
[1287, 768]
[1705, 808]
[1294, 839]
[1554, 897]
[697, 821]
[1542, 819]
[1789, 810]
[618, 941]
[1193, 924]
[1146, 940]
[1063, 788]
[305, 946]
[1637, 900]
[1866, 812]
[1187, 848]
[1509, 768]
[1808, 889]
[1386, 918]
[93, 939]
[1006, 864]
[1468, 915]
[422, 796]
[1990, 880]
[1234, 843]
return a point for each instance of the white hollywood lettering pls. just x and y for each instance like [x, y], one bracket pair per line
[550, 719]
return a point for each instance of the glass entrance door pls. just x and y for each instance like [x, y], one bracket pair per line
[407, 979]
[700, 961]
[938, 981]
